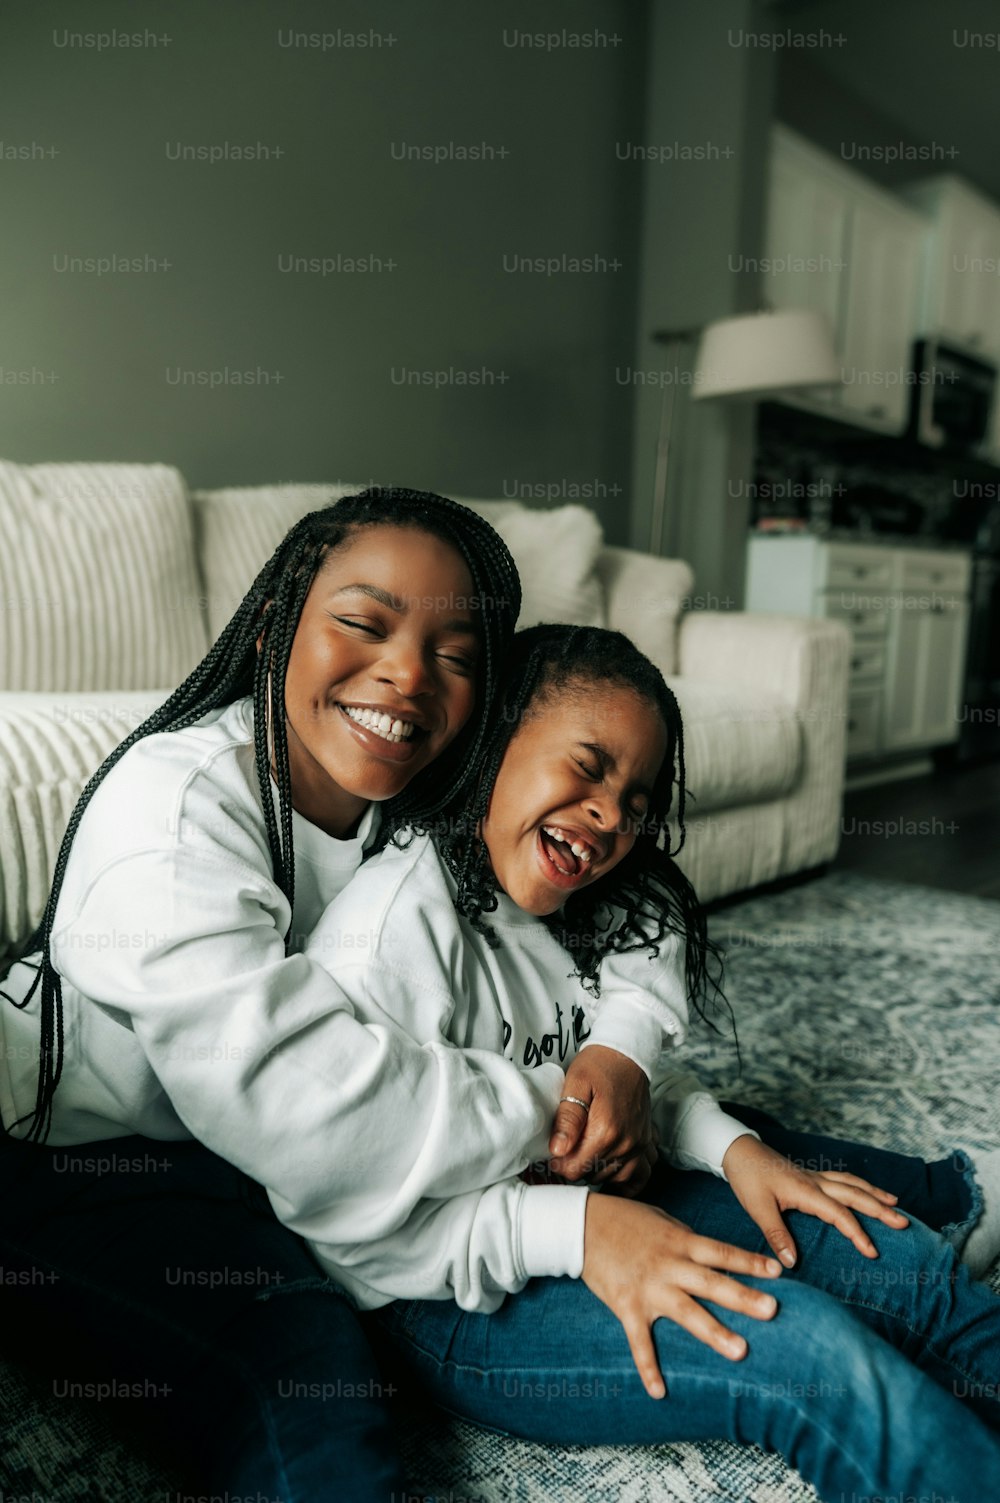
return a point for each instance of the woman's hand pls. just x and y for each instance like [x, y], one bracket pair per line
[644, 1264]
[612, 1143]
[765, 1184]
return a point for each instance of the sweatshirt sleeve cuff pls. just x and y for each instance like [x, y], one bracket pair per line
[551, 1226]
[706, 1134]
[631, 1030]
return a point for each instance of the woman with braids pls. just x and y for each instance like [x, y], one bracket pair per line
[165, 995]
[541, 896]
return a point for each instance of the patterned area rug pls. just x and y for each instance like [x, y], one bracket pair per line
[865, 1009]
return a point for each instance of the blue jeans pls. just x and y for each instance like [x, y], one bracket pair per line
[274, 1388]
[159, 1271]
[874, 1377]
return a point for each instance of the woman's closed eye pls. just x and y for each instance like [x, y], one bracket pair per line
[365, 626]
[458, 661]
[461, 662]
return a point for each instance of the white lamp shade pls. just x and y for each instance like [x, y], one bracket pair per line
[761, 354]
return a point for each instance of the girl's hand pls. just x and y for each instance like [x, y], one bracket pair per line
[765, 1184]
[613, 1142]
[643, 1264]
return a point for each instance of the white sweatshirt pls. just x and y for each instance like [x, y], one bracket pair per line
[184, 1017]
[428, 974]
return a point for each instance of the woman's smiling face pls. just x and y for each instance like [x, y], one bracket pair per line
[382, 671]
[575, 781]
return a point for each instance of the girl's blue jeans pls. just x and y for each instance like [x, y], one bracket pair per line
[875, 1378]
[160, 1265]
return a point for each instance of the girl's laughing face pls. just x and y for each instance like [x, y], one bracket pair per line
[574, 784]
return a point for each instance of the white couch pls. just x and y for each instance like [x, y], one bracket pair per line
[114, 581]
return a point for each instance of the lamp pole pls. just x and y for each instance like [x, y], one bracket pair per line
[679, 338]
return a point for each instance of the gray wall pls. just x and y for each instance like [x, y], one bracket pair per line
[116, 343]
[708, 92]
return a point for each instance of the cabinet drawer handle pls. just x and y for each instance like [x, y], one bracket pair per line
[859, 617]
[858, 663]
[852, 725]
[877, 410]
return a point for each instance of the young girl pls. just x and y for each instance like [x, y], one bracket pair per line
[359, 673]
[555, 864]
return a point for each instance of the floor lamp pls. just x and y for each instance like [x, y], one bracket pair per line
[755, 355]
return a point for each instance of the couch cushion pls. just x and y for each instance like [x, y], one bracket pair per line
[99, 586]
[238, 530]
[556, 551]
[49, 748]
[740, 746]
[644, 596]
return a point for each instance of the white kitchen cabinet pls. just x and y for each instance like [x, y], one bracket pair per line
[806, 242]
[863, 714]
[879, 313]
[839, 245]
[908, 613]
[926, 651]
[925, 667]
[959, 284]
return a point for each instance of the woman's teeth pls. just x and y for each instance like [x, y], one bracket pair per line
[581, 852]
[382, 725]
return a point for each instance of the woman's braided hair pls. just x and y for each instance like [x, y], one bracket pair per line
[233, 668]
[646, 896]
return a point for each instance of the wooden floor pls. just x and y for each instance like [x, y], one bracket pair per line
[942, 830]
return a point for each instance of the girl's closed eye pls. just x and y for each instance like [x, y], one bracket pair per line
[637, 809]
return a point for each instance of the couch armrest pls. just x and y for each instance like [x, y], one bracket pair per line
[801, 659]
[805, 661]
[643, 597]
[50, 746]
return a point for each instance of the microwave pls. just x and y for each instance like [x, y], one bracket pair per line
[951, 396]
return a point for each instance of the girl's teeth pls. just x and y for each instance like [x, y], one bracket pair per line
[581, 852]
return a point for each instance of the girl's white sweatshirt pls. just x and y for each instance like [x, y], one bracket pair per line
[429, 975]
[184, 1016]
